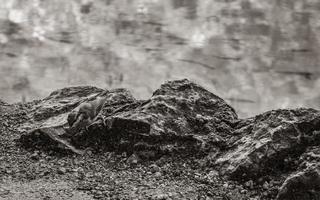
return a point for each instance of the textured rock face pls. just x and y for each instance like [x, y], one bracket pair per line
[182, 118]
[304, 183]
[268, 141]
[179, 116]
[301, 185]
[48, 117]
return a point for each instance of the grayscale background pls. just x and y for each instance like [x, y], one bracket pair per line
[257, 55]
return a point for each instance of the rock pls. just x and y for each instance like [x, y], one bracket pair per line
[249, 184]
[266, 185]
[35, 156]
[147, 155]
[47, 127]
[302, 185]
[267, 141]
[4, 191]
[133, 159]
[180, 117]
[158, 174]
[62, 170]
[243, 191]
[3, 103]
[154, 168]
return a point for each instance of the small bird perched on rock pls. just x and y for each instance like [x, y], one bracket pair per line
[85, 114]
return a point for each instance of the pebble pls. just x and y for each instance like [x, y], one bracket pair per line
[266, 185]
[249, 184]
[158, 174]
[243, 191]
[62, 170]
[35, 156]
[133, 159]
[154, 168]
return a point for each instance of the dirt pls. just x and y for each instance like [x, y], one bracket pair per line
[182, 143]
[32, 174]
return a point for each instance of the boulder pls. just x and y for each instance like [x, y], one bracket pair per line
[270, 143]
[301, 185]
[47, 124]
[181, 116]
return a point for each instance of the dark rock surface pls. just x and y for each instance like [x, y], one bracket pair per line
[304, 182]
[270, 143]
[182, 119]
[301, 185]
[48, 117]
[179, 117]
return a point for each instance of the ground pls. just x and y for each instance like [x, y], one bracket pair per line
[30, 174]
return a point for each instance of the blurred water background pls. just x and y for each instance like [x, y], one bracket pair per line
[257, 55]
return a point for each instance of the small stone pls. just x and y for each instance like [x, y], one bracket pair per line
[89, 175]
[133, 159]
[249, 184]
[158, 174]
[154, 168]
[260, 180]
[213, 173]
[35, 156]
[266, 185]
[89, 152]
[4, 191]
[231, 186]
[62, 170]
[243, 191]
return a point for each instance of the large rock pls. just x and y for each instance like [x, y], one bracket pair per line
[269, 143]
[183, 118]
[302, 185]
[48, 117]
[180, 117]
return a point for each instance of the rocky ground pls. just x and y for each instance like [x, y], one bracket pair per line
[182, 143]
